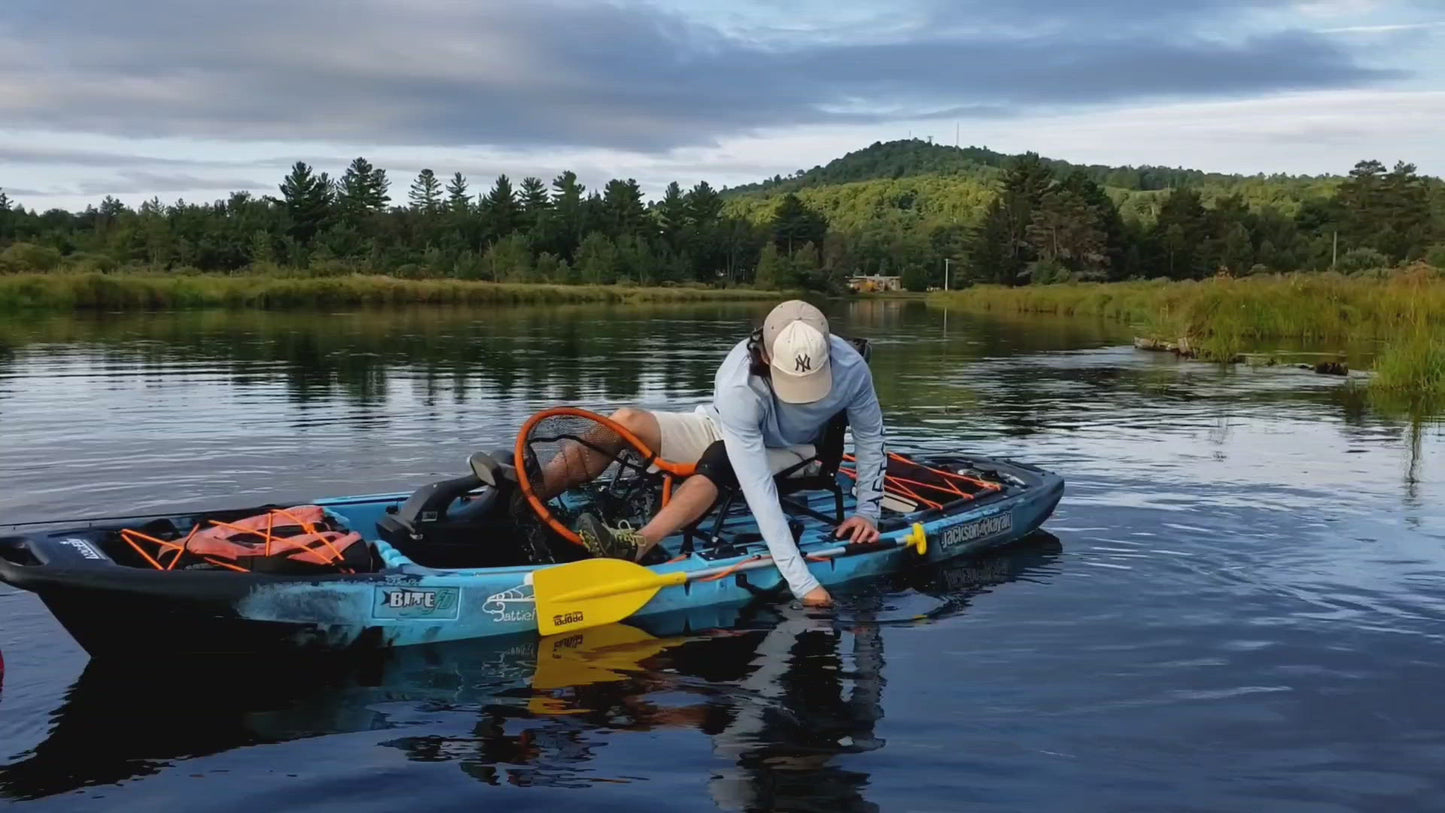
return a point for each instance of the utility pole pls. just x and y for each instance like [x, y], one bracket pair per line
[1335, 251]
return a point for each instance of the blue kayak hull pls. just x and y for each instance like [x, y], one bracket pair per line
[113, 610]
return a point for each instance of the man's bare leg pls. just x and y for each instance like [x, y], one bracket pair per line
[577, 463]
[691, 500]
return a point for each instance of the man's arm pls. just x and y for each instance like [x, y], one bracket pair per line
[743, 440]
[865, 419]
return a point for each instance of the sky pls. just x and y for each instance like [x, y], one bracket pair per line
[180, 99]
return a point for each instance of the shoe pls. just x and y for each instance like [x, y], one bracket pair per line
[611, 543]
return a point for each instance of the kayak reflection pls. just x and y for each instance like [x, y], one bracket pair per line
[779, 691]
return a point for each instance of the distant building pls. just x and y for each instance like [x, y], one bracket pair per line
[869, 283]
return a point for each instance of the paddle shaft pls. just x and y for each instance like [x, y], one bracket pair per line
[763, 560]
[681, 576]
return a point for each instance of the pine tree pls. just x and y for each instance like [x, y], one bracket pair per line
[704, 205]
[795, 224]
[622, 207]
[533, 195]
[457, 198]
[501, 210]
[308, 201]
[363, 189]
[426, 192]
[672, 215]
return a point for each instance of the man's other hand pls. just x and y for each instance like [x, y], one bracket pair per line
[860, 530]
[817, 597]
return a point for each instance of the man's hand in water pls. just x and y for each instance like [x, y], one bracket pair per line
[861, 529]
[817, 597]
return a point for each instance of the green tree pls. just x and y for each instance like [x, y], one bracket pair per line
[773, 268]
[509, 259]
[500, 208]
[622, 209]
[795, 224]
[567, 223]
[597, 259]
[363, 189]
[426, 192]
[1065, 230]
[458, 199]
[534, 198]
[308, 202]
[673, 219]
[1181, 230]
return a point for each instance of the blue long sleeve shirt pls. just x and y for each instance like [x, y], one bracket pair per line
[751, 420]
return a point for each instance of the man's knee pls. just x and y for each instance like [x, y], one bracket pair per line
[716, 467]
[641, 423]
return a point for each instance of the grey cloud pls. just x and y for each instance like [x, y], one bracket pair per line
[553, 73]
[128, 182]
[61, 156]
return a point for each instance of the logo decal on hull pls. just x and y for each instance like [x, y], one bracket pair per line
[83, 548]
[432, 603]
[515, 605]
[978, 529]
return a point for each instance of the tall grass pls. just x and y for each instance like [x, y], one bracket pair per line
[1404, 310]
[1223, 313]
[65, 291]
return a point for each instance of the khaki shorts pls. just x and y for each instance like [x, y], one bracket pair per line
[686, 435]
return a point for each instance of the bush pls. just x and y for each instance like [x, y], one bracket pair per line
[91, 263]
[1362, 259]
[22, 257]
[1436, 256]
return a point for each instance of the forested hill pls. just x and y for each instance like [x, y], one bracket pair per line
[914, 157]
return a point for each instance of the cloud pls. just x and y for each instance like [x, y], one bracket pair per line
[552, 73]
[65, 156]
[128, 181]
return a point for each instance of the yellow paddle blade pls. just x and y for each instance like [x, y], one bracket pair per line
[594, 592]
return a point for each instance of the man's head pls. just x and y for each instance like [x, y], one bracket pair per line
[795, 344]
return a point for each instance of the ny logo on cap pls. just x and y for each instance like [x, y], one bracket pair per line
[802, 363]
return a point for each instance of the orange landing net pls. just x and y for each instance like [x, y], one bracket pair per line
[223, 544]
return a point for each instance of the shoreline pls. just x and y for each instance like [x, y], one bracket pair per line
[1215, 319]
[40, 292]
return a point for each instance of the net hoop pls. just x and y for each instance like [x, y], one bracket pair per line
[669, 471]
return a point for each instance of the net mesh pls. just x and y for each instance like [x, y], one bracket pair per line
[576, 462]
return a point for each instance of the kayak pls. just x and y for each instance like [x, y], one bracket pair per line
[446, 562]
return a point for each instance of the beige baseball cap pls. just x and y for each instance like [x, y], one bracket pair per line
[795, 334]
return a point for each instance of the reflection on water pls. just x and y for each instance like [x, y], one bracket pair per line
[778, 693]
[1241, 611]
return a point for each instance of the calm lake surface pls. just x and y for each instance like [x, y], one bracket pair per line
[1240, 604]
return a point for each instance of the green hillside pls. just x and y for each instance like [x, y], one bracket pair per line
[959, 181]
[903, 207]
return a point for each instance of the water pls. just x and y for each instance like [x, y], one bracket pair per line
[1238, 606]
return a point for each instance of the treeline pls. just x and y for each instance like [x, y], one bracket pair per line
[1036, 223]
[529, 232]
[1029, 220]
[1043, 227]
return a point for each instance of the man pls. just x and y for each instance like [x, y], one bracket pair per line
[773, 395]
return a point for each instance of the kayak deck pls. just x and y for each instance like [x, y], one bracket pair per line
[114, 603]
